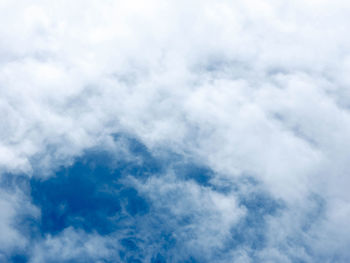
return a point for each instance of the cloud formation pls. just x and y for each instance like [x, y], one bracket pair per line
[228, 123]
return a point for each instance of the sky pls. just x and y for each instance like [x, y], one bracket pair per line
[174, 131]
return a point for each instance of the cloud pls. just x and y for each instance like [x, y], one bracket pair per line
[15, 207]
[73, 245]
[245, 89]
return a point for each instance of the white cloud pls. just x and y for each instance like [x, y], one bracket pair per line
[201, 218]
[13, 203]
[74, 245]
[258, 87]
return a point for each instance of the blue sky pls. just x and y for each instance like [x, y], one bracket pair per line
[169, 131]
[96, 196]
[99, 196]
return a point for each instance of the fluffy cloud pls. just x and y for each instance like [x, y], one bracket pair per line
[255, 89]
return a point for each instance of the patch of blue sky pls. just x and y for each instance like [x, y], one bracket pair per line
[92, 196]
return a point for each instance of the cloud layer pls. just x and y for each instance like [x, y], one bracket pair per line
[225, 123]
